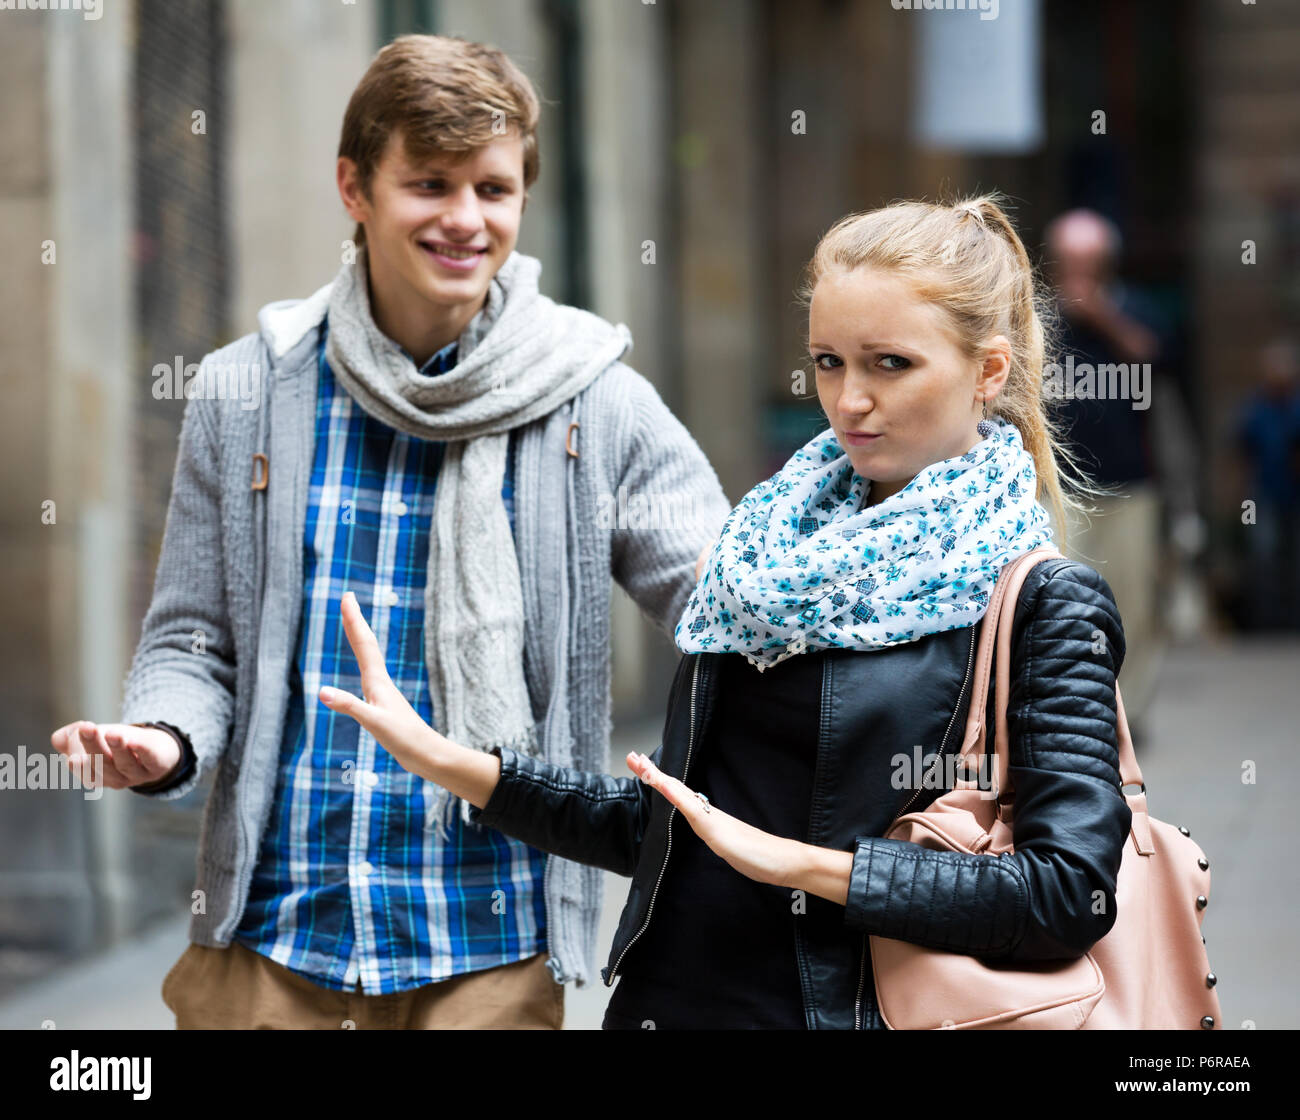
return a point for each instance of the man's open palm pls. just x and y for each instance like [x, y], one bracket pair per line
[130, 756]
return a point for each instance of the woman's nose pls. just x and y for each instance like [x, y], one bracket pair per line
[855, 402]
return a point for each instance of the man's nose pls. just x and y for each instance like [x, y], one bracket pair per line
[463, 211]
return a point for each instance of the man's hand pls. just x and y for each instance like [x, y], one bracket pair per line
[699, 564]
[131, 756]
[1089, 304]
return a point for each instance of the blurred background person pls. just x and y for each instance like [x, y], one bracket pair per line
[1268, 443]
[1103, 321]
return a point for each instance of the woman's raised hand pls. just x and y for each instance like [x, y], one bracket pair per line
[384, 712]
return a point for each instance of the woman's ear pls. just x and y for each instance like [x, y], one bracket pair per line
[995, 369]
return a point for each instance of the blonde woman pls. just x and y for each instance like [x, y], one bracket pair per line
[830, 635]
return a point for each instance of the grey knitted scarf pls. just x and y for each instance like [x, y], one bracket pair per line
[521, 357]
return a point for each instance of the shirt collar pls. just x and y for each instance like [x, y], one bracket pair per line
[441, 362]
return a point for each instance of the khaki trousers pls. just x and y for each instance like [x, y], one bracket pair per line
[238, 989]
[1123, 544]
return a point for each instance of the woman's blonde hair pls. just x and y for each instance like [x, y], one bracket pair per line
[967, 259]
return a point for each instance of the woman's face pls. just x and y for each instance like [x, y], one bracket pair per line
[898, 392]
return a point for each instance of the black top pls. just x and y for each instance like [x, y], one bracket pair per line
[719, 951]
[1110, 436]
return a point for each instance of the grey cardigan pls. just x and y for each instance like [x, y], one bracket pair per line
[217, 642]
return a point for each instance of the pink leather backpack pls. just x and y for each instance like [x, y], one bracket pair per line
[1150, 971]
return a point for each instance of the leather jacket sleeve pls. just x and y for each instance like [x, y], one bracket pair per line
[1054, 896]
[591, 818]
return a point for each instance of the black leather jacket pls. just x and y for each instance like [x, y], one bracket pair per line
[1070, 819]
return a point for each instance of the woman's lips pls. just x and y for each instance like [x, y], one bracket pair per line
[861, 439]
[456, 264]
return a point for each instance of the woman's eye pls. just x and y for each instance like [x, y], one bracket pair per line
[819, 358]
[895, 358]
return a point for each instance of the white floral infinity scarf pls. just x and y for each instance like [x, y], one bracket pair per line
[800, 564]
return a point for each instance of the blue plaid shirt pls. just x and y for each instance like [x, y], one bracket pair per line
[349, 883]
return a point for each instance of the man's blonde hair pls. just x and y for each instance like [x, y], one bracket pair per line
[443, 94]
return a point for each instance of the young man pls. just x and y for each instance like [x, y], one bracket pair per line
[447, 443]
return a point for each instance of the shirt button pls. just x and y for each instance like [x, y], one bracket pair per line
[391, 599]
[400, 509]
[370, 778]
[365, 867]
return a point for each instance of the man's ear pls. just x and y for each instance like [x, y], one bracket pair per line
[349, 184]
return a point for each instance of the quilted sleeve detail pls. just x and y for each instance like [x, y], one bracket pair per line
[1054, 897]
[591, 818]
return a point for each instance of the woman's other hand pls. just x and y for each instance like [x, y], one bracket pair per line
[756, 854]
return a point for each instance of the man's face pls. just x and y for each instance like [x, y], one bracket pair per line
[1079, 255]
[440, 228]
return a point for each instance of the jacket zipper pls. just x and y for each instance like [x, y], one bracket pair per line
[862, 983]
[668, 846]
[943, 745]
[970, 660]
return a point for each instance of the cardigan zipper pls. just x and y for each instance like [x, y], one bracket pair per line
[943, 744]
[562, 637]
[261, 568]
[668, 846]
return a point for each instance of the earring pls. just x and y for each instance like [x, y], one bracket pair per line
[985, 427]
